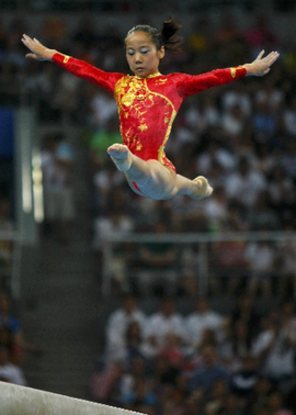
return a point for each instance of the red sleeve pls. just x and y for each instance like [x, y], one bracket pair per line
[192, 84]
[85, 70]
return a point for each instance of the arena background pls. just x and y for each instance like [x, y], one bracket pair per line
[210, 286]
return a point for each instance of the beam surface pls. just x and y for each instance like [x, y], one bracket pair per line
[20, 400]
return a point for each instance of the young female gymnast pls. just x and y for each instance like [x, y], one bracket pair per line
[148, 102]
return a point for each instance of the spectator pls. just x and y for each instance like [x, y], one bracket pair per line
[165, 322]
[57, 165]
[201, 319]
[158, 261]
[117, 324]
[260, 257]
[276, 405]
[209, 371]
[245, 379]
[245, 183]
[10, 372]
[237, 346]
[276, 348]
[11, 325]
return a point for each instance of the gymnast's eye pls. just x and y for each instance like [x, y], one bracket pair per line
[130, 52]
[144, 51]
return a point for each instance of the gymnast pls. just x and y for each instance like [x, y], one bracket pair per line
[148, 102]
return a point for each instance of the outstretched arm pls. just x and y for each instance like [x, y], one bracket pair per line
[77, 67]
[192, 84]
[38, 50]
[261, 65]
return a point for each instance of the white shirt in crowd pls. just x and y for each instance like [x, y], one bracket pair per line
[116, 328]
[160, 325]
[12, 373]
[197, 323]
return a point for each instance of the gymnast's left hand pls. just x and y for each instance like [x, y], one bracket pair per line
[261, 65]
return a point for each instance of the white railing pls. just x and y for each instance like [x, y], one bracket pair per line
[207, 254]
[10, 261]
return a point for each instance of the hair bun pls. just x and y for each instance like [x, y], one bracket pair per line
[169, 34]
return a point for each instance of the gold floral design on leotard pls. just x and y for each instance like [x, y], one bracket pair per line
[129, 88]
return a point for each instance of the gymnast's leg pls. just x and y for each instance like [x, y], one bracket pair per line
[151, 179]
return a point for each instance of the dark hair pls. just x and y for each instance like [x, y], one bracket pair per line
[167, 37]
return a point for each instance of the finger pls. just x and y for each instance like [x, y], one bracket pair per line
[31, 56]
[260, 54]
[272, 58]
[26, 41]
[26, 37]
[274, 55]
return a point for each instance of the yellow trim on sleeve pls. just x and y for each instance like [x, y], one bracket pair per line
[233, 72]
[66, 58]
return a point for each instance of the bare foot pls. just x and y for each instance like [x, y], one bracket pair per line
[203, 189]
[121, 156]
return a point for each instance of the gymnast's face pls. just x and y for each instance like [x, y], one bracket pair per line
[142, 55]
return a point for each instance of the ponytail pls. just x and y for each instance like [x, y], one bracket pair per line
[171, 40]
[168, 37]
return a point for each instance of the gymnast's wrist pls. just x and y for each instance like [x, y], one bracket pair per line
[48, 54]
[249, 69]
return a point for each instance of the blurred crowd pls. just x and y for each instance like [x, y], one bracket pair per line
[12, 343]
[200, 360]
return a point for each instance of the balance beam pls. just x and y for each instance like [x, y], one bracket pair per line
[21, 400]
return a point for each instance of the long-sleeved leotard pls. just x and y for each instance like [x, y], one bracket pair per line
[148, 106]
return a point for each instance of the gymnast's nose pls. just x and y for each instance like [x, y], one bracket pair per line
[138, 58]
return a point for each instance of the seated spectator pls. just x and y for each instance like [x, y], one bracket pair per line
[115, 223]
[136, 387]
[234, 123]
[209, 371]
[172, 351]
[263, 217]
[289, 116]
[244, 380]
[104, 381]
[134, 341]
[276, 404]
[119, 224]
[11, 329]
[288, 320]
[236, 347]
[276, 349]
[105, 180]
[117, 324]
[200, 320]
[157, 262]
[57, 166]
[167, 321]
[216, 210]
[217, 397]
[9, 372]
[245, 183]
[260, 256]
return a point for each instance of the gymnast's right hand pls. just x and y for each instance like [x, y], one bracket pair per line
[38, 50]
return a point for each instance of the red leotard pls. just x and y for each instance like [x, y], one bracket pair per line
[148, 106]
